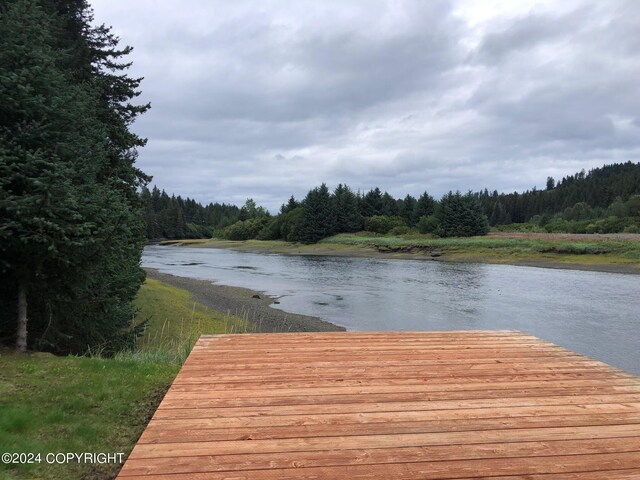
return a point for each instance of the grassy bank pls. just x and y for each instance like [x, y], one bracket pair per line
[588, 251]
[175, 321]
[79, 404]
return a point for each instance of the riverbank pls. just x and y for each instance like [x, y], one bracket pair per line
[249, 305]
[602, 253]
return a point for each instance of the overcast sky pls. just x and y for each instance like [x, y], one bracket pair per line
[266, 99]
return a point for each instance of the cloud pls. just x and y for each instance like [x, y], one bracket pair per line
[266, 99]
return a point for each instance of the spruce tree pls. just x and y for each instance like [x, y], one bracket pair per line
[72, 225]
[292, 204]
[389, 205]
[407, 208]
[317, 219]
[461, 216]
[371, 203]
[424, 207]
[49, 141]
[348, 218]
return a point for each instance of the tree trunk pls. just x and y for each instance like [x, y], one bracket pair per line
[21, 341]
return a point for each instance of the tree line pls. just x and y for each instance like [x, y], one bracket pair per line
[174, 217]
[71, 218]
[323, 213]
[603, 200]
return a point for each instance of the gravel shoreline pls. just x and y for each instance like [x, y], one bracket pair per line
[243, 303]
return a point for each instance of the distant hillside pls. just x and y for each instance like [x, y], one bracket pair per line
[174, 217]
[599, 189]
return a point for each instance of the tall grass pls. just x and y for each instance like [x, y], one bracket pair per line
[495, 245]
[174, 323]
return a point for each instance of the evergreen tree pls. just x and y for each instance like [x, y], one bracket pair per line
[175, 217]
[551, 183]
[598, 188]
[424, 207]
[389, 205]
[317, 218]
[371, 203]
[461, 216]
[348, 218]
[150, 216]
[289, 225]
[407, 208]
[499, 215]
[72, 226]
[292, 204]
[41, 187]
[251, 210]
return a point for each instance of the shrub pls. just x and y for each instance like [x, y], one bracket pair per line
[271, 231]
[198, 231]
[580, 211]
[532, 227]
[633, 206]
[428, 224]
[289, 226]
[401, 230]
[245, 229]
[383, 223]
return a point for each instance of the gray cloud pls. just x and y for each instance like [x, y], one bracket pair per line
[270, 98]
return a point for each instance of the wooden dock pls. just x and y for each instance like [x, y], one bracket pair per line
[421, 405]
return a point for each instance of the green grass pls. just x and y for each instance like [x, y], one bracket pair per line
[176, 321]
[506, 249]
[80, 404]
[75, 404]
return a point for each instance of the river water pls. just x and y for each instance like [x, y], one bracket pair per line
[593, 313]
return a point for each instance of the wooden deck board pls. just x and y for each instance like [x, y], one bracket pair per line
[393, 405]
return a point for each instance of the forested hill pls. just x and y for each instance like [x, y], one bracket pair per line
[175, 217]
[603, 200]
[597, 189]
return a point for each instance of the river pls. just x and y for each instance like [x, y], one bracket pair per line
[593, 313]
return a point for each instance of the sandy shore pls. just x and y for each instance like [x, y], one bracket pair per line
[243, 303]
